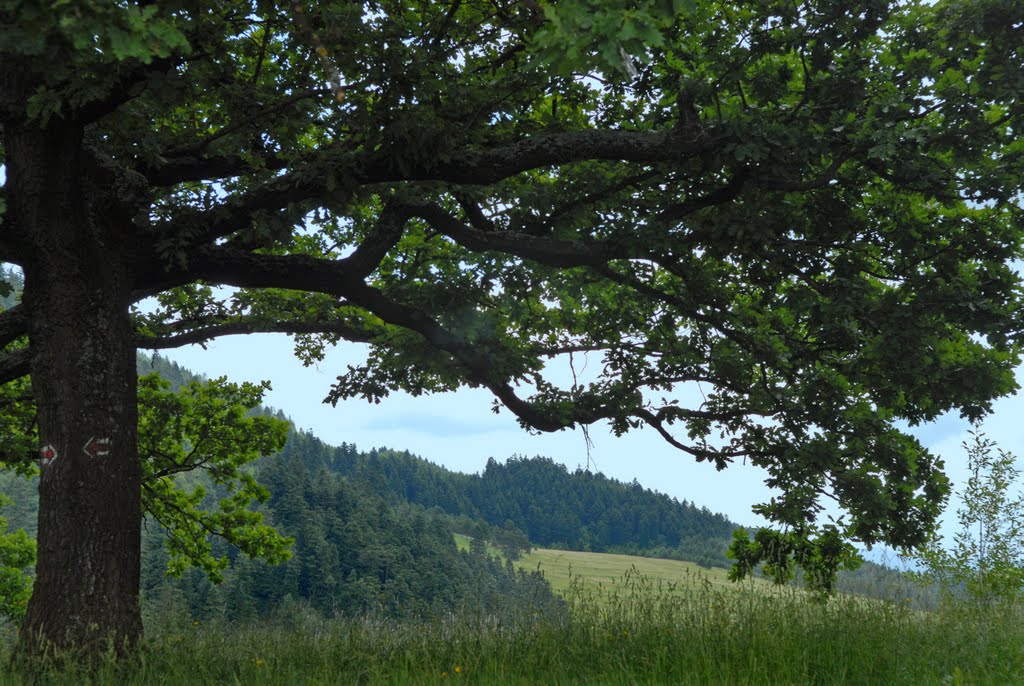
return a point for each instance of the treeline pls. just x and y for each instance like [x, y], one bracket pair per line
[552, 506]
[354, 554]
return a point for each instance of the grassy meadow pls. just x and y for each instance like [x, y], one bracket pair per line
[568, 568]
[628, 621]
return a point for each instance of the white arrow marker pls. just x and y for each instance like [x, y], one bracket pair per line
[97, 447]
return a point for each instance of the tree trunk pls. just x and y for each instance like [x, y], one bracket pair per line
[78, 291]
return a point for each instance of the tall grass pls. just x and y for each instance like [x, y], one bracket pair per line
[636, 632]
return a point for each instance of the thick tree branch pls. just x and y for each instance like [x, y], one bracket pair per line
[194, 167]
[14, 364]
[549, 251]
[203, 333]
[122, 90]
[13, 324]
[469, 167]
[375, 247]
[489, 165]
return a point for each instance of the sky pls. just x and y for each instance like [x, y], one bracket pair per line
[460, 431]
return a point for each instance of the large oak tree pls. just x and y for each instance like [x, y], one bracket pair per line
[807, 212]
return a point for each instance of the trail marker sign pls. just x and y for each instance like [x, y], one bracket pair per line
[97, 447]
[47, 454]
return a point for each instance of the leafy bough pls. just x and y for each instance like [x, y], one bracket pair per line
[206, 427]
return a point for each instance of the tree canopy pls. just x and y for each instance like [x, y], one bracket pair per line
[807, 212]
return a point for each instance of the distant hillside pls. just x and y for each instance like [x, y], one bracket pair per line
[169, 370]
[353, 554]
[552, 506]
[578, 510]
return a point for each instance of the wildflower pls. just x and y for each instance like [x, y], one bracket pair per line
[458, 669]
[260, 662]
[444, 675]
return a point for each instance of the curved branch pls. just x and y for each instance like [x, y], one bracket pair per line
[720, 457]
[317, 274]
[232, 267]
[381, 239]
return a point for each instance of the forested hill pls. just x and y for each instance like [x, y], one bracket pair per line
[553, 506]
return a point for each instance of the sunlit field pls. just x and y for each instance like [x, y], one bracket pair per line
[565, 567]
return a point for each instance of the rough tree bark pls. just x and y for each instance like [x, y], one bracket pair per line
[78, 287]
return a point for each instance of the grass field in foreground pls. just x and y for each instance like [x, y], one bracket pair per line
[619, 634]
[626, 629]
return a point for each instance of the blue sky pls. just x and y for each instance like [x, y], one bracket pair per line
[460, 431]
